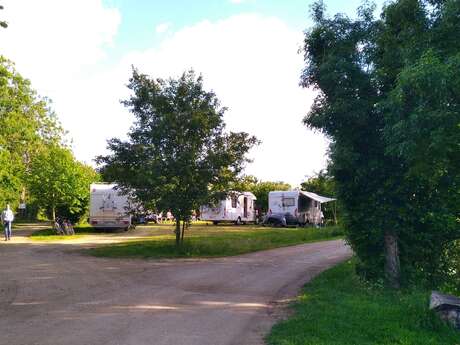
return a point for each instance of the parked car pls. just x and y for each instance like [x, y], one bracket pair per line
[280, 219]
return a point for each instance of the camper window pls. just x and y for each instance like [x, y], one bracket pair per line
[288, 202]
[234, 201]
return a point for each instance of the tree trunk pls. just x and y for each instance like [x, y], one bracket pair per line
[335, 212]
[53, 213]
[183, 232]
[392, 265]
[177, 231]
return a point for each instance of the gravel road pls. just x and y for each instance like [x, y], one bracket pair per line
[51, 294]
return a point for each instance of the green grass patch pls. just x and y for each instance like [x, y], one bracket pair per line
[49, 235]
[214, 241]
[337, 308]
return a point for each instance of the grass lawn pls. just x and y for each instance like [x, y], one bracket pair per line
[214, 241]
[336, 308]
[49, 235]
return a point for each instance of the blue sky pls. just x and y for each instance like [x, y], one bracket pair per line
[79, 54]
[140, 17]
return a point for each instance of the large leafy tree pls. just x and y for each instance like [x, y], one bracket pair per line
[178, 156]
[389, 100]
[34, 164]
[58, 181]
[26, 124]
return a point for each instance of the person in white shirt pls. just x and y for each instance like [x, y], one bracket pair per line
[7, 219]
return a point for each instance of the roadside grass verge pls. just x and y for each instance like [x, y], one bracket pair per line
[49, 235]
[337, 308]
[214, 241]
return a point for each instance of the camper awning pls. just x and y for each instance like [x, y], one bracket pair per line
[316, 197]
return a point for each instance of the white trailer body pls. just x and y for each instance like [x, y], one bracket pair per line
[108, 209]
[237, 207]
[305, 206]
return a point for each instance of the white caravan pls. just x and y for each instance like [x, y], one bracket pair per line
[237, 207]
[305, 206]
[108, 209]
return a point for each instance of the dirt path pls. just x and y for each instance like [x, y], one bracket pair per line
[50, 294]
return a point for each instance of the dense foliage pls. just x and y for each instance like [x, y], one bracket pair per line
[26, 125]
[178, 156]
[60, 183]
[389, 99]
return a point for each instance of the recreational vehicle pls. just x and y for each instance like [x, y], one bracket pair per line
[303, 206]
[108, 209]
[236, 207]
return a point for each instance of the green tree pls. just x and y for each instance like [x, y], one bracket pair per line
[26, 124]
[78, 209]
[178, 156]
[320, 183]
[388, 99]
[58, 181]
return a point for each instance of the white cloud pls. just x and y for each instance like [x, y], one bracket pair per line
[236, 1]
[162, 27]
[250, 61]
[253, 65]
[53, 41]
[61, 47]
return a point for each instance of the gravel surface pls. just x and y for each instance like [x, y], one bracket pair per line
[51, 294]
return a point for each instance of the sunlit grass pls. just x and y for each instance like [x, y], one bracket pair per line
[337, 308]
[213, 241]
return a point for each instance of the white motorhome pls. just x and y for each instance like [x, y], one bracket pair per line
[237, 207]
[305, 206]
[108, 209]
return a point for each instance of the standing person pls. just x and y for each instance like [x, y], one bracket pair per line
[7, 219]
